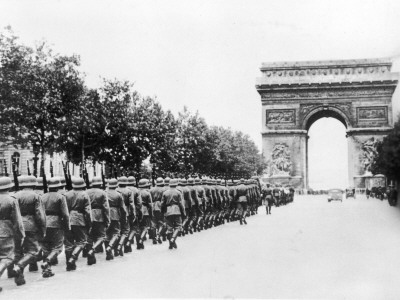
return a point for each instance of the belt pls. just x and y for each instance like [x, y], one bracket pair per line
[78, 211]
[52, 213]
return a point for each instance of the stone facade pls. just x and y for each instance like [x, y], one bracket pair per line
[296, 94]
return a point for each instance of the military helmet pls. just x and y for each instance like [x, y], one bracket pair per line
[218, 181]
[5, 183]
[182, 181]
[131, 180]
[53, 182]
[112, 183]
[144, 183]
[123, 180]
[39, 182]
[78, 182]
[27, 181]
[190, 181]
[230, 183]
[63, 182]
[173, 182]
[167, 180]
[160, 181]
[197, 180]
[96, 181]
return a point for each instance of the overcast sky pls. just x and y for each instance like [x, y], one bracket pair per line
[206, 54]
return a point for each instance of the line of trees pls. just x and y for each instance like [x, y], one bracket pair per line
[45, 104]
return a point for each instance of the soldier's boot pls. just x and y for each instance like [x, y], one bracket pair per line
[20, 266]
[173, 238]
[120, 247]
[85, 250]
[99, 249]
[33, 267]
[67, 257]
[10, 271]
[91, 257]
[142, 238]
[46, 269]
[169, 237]
[109, 245]
[74, 257]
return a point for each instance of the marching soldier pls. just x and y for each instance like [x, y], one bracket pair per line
[127, 195]
[147, 211]
[277, 194]
[78, 203]
[158, 218]
[209, 205]
[268, 198]
[198, 208]
[187, 203]
[57, 219]
[101, 218]
[118, 213]
[11, 226]
[34, 219]
[174, 212]
[241, 199]
[232, 203]
[134, 221]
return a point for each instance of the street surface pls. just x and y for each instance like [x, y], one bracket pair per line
[307, 249]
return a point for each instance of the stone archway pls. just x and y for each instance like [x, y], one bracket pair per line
[296, 94]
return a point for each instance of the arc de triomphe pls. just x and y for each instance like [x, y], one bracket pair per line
[294, 95]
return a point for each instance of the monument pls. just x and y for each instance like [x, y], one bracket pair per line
[294, 95]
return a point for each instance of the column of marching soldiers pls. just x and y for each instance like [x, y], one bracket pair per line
[36, 226]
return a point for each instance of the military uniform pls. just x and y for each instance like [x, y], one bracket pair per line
[241, 199]
[126, 226]
[197, 213]
[57, 219]
[34, 220]
[158, 217]
[174, 211]
[269, 199]
[78, 203]
[147, 211]
[134, 220]
[11, 225]
[101, 218]
[187, 204]
[118, 213]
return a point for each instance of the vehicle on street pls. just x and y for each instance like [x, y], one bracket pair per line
[335, 195]
[350, 192]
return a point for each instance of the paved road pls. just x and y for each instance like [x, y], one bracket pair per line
[308, 249]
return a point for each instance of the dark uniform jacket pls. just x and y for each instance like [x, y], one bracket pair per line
[137, 199]
[156, 195]
[201, 193]
[208, 196]
[147, 202]
[78, 203]
[242, 193]
[117, 206]
[99, 205]
[171, 204]
[127, 195]
[32, 211]
[57, 215]
[194, 194]
[11, 224]
[187, 197]
[232, 193]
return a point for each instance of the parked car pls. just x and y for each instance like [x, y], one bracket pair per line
[335, 195]
[350, 192]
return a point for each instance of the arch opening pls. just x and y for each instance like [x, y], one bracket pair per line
[325, 112]
[327, 151]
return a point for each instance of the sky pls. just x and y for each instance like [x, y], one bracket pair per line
[206, 55]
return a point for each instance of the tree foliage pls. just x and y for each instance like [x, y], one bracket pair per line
[44, 102]
[387, 161]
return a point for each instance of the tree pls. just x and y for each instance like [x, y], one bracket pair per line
[38, 89]
[387, 161]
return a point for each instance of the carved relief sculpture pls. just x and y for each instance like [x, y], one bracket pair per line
[368, 153]
[372, 113]
[281, 164]
[280, 116]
